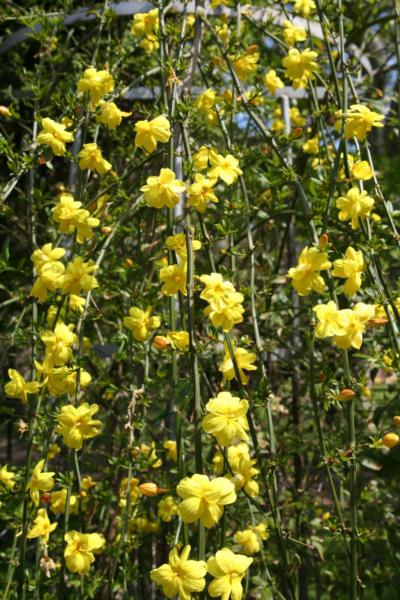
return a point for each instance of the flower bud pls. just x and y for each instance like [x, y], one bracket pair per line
[323, 241]
[396, 421]
[391, 440]
[5, 111]
[106, 230]
[151, 489]
[296, 133]
[161, 342]
[345, 394]
[377, 322]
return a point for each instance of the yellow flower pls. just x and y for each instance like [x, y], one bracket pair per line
[296, 118]
[311, 146]
[204, 499]
[248, 540]
[300, 66]
[174, 278]
[42, 526]
[71, 217]
[140, 323]
[58, 502]
[200, 192]
[76, 303]
[354, 324]
[180, 576]
[163, 190]
[227, 418]
[350, 268]
[149, 44]
[359, 121]
[202, 157]
[18, 387]
[88, 483]
[273, 82]
[170, 446]
[235, 454]
[143, 525]
[305, 275]
[80, 550]
[179, 340]
[261, 530]
[59, 344]
[228, 570]
[48, 280]
[204, 105]
[354, 205]
[304, 7]
[225, 304]
[145, 23]
[54, 135]
[49, 269]
[293, 34]
[244, 360]
[134, 491]
[97, 83]
[150, 452]
[111, 116]
[225, 168]
[62, 380]
[7, 478]
[362, 171]
[78, 278]
[76, 424]
[167, 508]
[177, 242]
[91, 158]
[39, 482]
[223, 33]
[149, 133]
[45, 255]
[244, 473]
[246, 64]
[330, 321]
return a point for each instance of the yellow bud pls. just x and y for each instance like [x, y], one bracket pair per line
[323, 241]
[106, 230]
[391, 440]
[396, 421]
[128, 262]
[377, 322]
[296, 133]
[5, 111]
[161, 342]
[345, 394]
[151, 489]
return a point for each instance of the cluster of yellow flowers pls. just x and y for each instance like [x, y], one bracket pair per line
[306, 275]
[71, 217]
[346, 326]
[182, 577]
[225, 304]
[73, 279]
[146, 26]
